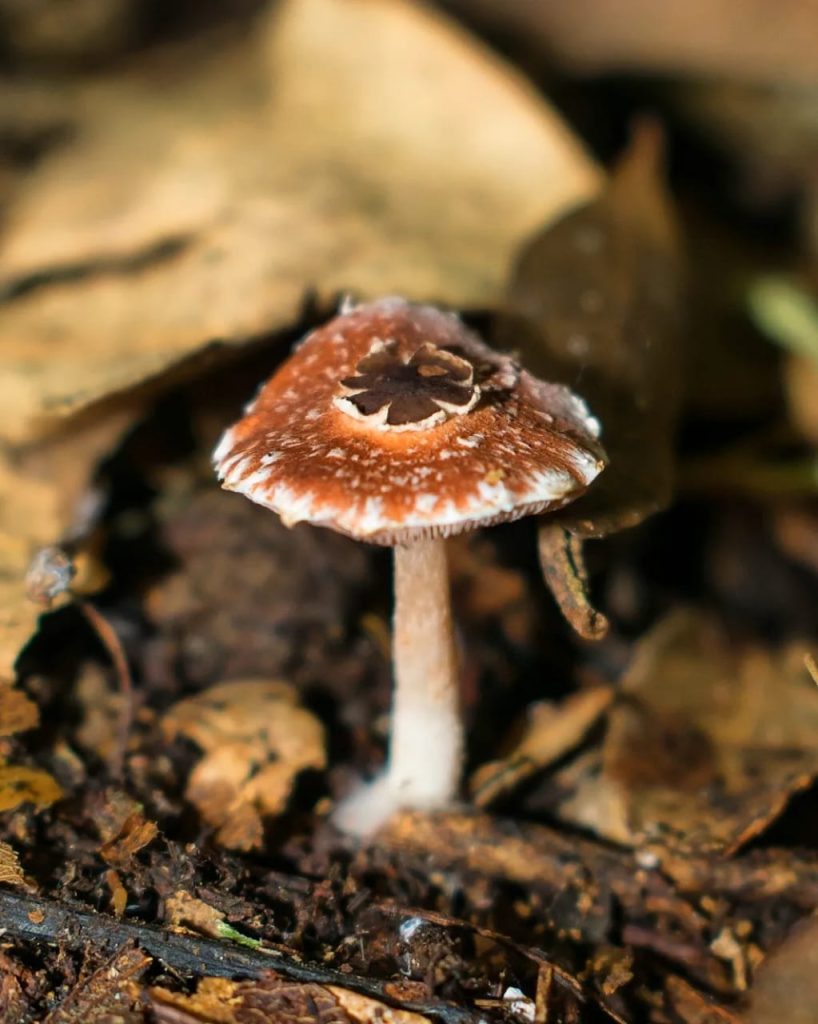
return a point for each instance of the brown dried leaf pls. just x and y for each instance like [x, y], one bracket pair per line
[551, 731]
[256, 740]
[22, 785]
[17, 712]
[364, 1010]
[10, 871]
[708, 743]
[801, 387]
[111, 995]
[41, 492]
[680, 38]
[786, 986]
[211, 193]
[563, 568]
[123, 828]
[28, 520]
[185, 911]
[595, 302]
[219, 1001]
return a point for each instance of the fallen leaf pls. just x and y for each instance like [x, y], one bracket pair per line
[219, 1001]
[365, 1010]
[682, 39]
[563, 567]
[800, 379]
[21, 785]
[200, 200]
[28, 520]
[185, 911]
[10, 871]
[111, 995]
[786, 984]
[551, 731]
[123, 828]
[594, 301]
[45, 492]
[256, 740]
[17, 712]
[707, 743]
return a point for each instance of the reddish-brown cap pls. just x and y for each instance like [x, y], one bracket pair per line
[394, 422]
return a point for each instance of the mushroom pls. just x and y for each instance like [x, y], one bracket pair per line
[394, 424]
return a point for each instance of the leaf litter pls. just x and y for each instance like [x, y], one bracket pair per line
[256, 739]
[270, 154]
[648, 852]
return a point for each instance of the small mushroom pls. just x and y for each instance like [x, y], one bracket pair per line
[394, 424]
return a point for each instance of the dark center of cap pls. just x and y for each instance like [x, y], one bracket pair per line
[419, 392]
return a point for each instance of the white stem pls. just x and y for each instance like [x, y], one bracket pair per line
[425, 757]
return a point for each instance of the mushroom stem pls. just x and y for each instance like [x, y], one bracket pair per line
[426, 750]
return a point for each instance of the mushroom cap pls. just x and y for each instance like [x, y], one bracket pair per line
[394, 422]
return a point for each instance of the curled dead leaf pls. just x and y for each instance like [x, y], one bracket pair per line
[596, 299]
[10, 871]
[256, 740]
[707, 744]
[122, 827]
[21, 785]
[786, 986]
[550, 732]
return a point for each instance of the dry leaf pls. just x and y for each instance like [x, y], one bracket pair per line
[123, 828]
[365, 1010]
[595, 302]
[707, 744]
[185, 911]
[41, 503]
[680, 37]
[269, 998]
[22, 785]
[10, 871]
[786, 986]
[119, 894]
[563, 567]
[211, 194]
[801, 386]
[17, 712]
[28, 520]
[256, 740]
[551, 731]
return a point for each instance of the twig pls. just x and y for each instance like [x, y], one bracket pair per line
[33, 918]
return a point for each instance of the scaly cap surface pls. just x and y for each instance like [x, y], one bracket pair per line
[394, 422]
